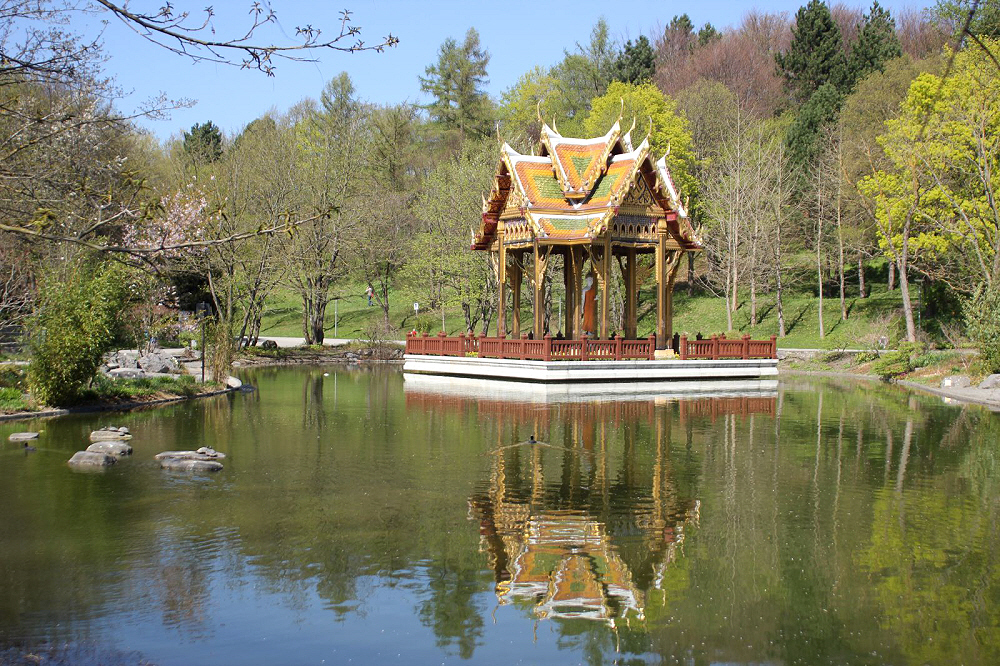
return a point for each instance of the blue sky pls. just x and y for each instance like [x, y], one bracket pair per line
[518, 35]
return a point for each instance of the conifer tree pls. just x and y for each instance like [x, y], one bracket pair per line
[816, 55]
[636, 62]
[877, 44]
[204, 142]
[456, 82]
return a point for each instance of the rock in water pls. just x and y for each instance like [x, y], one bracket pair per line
[92, 459]
[109, 435]
[112, 448]
[188, 465]
[22, 436]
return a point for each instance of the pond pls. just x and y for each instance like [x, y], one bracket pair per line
[364, 519]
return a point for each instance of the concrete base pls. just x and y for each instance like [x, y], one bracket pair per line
[702, 372]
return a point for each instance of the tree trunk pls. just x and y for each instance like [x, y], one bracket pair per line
[892, 274]
[840, 266]
[777, 280]
[861, 277]
[753, 274]
[318, 318]
[690, 285]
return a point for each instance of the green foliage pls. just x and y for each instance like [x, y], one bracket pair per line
[12, 400]
[816, 54]
[803, 138]
[203, 144]
[12, 376]
[456, 82]
[877, 44]
[670, 128]
[77, 320]
[636, 63]
[582, 76]
[953, 13]
[106, 389]
[982, 320]
[708, 34]
[899, 362]
[866, 357]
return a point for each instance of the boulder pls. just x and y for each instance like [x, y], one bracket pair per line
[956, 381]
[126, 373]
[991, 382]
[104, 435]
[116, 449]
[92, 459]
[22, 436]
[159, 363]
[203, 453]
[122, 359]
[185, 465]
[268, 344]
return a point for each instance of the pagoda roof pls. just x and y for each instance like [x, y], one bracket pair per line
[573, 189]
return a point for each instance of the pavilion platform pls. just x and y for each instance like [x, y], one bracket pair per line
[702, 365]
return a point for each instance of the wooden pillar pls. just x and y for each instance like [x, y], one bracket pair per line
[501, 283]
[672, 267]
[569, 279]
[576, 327]
[516, 275]
[661, 283]
[541, 260]
[631, 296]
[605, 276]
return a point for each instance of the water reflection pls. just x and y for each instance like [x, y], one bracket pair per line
[579, 521]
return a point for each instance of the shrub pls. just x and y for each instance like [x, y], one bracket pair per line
[866, 357]
[12, 400]
[899, 362]
[76, 321]
[982, 321]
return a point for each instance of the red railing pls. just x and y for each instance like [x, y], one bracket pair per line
[546, 349]
[719, 347]
[619, 349]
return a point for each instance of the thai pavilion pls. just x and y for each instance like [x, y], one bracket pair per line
[588, 200]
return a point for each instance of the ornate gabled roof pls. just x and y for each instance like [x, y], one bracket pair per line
[572, 191]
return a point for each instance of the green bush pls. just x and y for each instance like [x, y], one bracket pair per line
[12, 400]
[866, 357]
[982, 321]
[76, 321]
[899, 362]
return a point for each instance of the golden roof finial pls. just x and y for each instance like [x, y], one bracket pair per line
[649, 132]
[621, 111]
[667, 154]
[633, 125]
[538, 112]
[499, 140]
[554, 128]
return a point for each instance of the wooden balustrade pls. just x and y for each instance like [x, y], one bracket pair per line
[618, 349]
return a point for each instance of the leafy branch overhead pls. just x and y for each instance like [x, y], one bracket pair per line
[180, 33]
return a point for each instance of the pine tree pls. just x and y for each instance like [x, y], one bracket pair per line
[456, 82]
[803, 134]
[203, 143]
[635, 63]
[816, 55]
[877, 44]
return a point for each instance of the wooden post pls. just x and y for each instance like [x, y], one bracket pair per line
[672, 267]
[661, 284]
[524, 346]
[541, 261]
[683, 351]
[618, 347]
[605, 276]
[631, 296]
[570, 288]
[583, 347]
[547, 352]
[576, 325]
[501, 283]
[516, 276]
[482, 336]
[461, 344]
[774, 346]
[652, 346]
[715, 347]
[746, 347]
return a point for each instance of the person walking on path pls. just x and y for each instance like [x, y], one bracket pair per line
[369, 292]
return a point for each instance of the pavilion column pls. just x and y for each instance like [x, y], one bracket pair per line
[577, 264]
[631, 296]
[672, 267]
[541, 259]
[501, 283]
[568, 282]
[516, 275]
[605, 276]
[661, 285]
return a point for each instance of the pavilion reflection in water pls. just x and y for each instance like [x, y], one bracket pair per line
[586, 522]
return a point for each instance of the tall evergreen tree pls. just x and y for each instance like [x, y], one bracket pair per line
[804, 133]
[203, 143]
[877, 44]
[635, 63]
[816, 54]
[456, 82]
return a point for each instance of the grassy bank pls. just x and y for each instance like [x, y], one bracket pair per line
[868, 318]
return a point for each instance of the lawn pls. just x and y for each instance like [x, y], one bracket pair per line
[868, 318]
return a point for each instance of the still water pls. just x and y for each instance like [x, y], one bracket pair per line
[359, 520]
